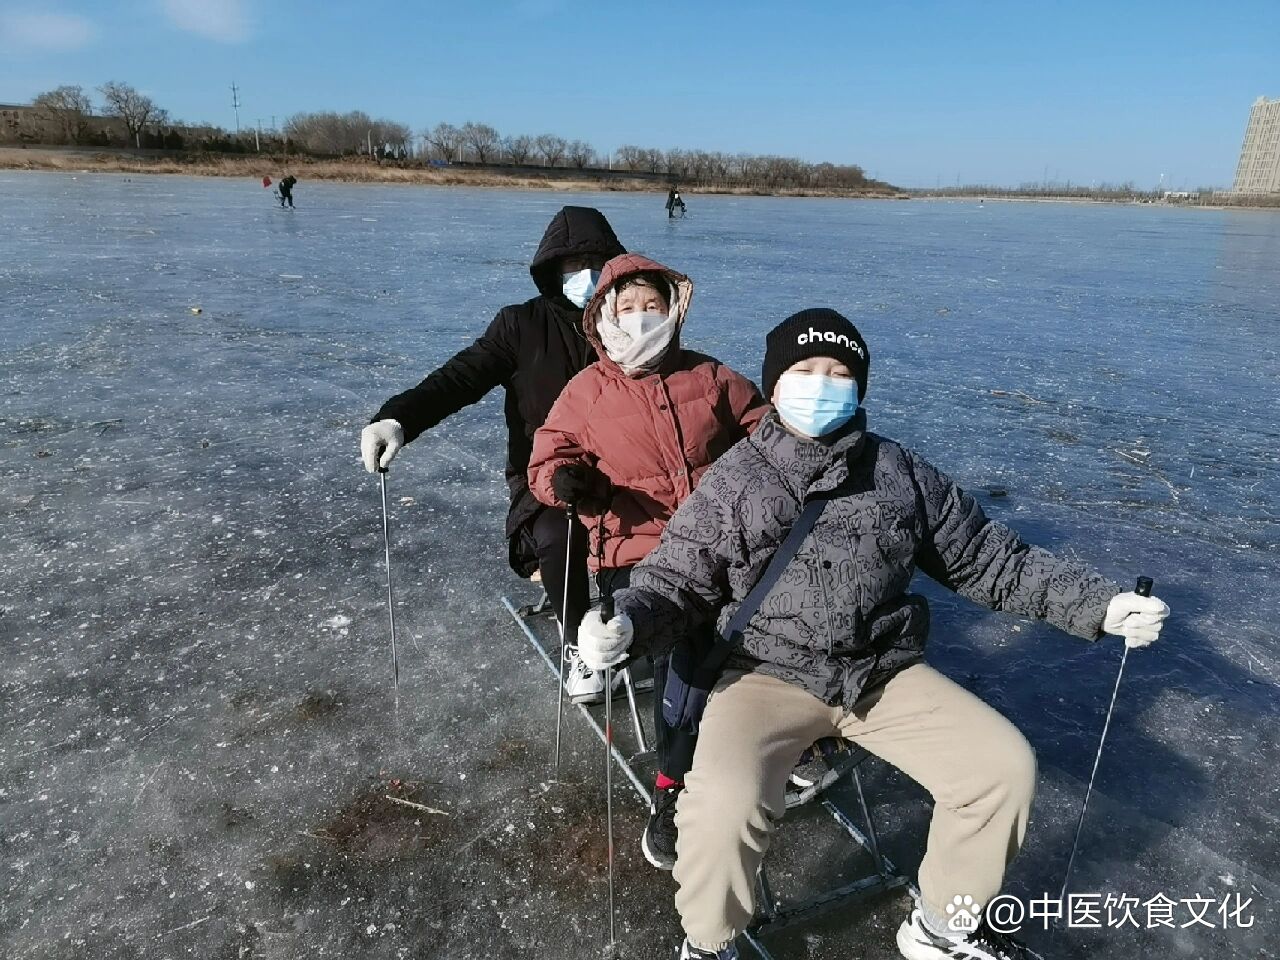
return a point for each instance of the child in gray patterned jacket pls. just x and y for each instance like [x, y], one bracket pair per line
[836, 647]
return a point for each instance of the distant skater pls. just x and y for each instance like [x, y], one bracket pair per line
[673, 201]
[286, 190]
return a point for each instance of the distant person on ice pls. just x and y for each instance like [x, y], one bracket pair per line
[673, 201]
[531, 350]
[626, 443]
[836, 646]
[286, 189]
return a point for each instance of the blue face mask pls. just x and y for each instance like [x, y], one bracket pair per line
[816, 405]
[579, 286]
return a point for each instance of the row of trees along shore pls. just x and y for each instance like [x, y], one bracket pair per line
[129, 118]
[1126, 192]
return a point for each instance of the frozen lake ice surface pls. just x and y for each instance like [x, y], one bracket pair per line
[201, 755]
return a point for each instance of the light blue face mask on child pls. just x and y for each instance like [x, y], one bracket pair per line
[580, 285]
[814, 404]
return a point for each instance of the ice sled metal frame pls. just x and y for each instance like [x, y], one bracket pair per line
[518, 614]
[770, 915]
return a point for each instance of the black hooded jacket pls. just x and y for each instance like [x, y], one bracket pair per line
[532, 349]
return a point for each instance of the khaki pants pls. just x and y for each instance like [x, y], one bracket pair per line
[980, 770]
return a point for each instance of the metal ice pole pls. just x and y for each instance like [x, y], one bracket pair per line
[629, 684]
[606, 607]
[606, 614]
[391, 607]
[572, 514]
[1143, 589]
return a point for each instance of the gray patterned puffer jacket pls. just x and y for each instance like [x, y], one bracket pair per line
[840, 618]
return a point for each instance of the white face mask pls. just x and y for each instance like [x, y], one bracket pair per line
[638, 340]
[579, 286]
[814, 404]
[639, 323]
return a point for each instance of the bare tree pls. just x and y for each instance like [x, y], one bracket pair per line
[580, 153]
[392, 137]
[445, 139]
[551, 148]
[518, 148]
[718, 165]
[482, 139]
[334, 133]
[67, 110]
[695, 165]
[678, 163]
[315, 132]
[631, 156]
[833, 176]
[357, 132]
[784, 171]
[135, 109]
[654, 160]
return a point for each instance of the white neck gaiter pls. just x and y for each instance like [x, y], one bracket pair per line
[637, 344]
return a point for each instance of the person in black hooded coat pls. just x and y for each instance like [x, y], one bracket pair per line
[532, 349]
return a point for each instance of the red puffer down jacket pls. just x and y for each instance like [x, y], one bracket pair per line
[652, 435]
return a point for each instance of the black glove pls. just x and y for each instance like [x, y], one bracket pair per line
[578, 483]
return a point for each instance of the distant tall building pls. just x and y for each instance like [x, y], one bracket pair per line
[1259, 167]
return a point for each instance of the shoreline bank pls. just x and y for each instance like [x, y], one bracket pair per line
[356, 171]
[1121, 201]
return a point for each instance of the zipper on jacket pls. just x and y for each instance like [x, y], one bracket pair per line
[826, 597]
[670, 409]
[858, 593]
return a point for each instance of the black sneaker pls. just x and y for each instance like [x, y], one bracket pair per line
[690, 952]
[659, 839]
[916, 942]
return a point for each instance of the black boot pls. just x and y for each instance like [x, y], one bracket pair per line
[659, 840]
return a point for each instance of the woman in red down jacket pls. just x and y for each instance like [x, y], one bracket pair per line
[626, 443]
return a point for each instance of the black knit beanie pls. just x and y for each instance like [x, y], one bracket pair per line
[817, 332]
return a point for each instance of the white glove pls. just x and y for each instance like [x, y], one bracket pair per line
[1136, 618]
[379, 443]
[603, 644]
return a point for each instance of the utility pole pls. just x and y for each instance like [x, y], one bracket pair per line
[235, 103]
[257, 136]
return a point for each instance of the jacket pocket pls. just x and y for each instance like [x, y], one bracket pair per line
[900, 624]
[893, 522]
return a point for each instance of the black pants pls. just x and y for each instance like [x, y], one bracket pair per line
[285, 195]
[675, 746]
[550, 530]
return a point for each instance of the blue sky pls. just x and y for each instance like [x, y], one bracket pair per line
[917, 93]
